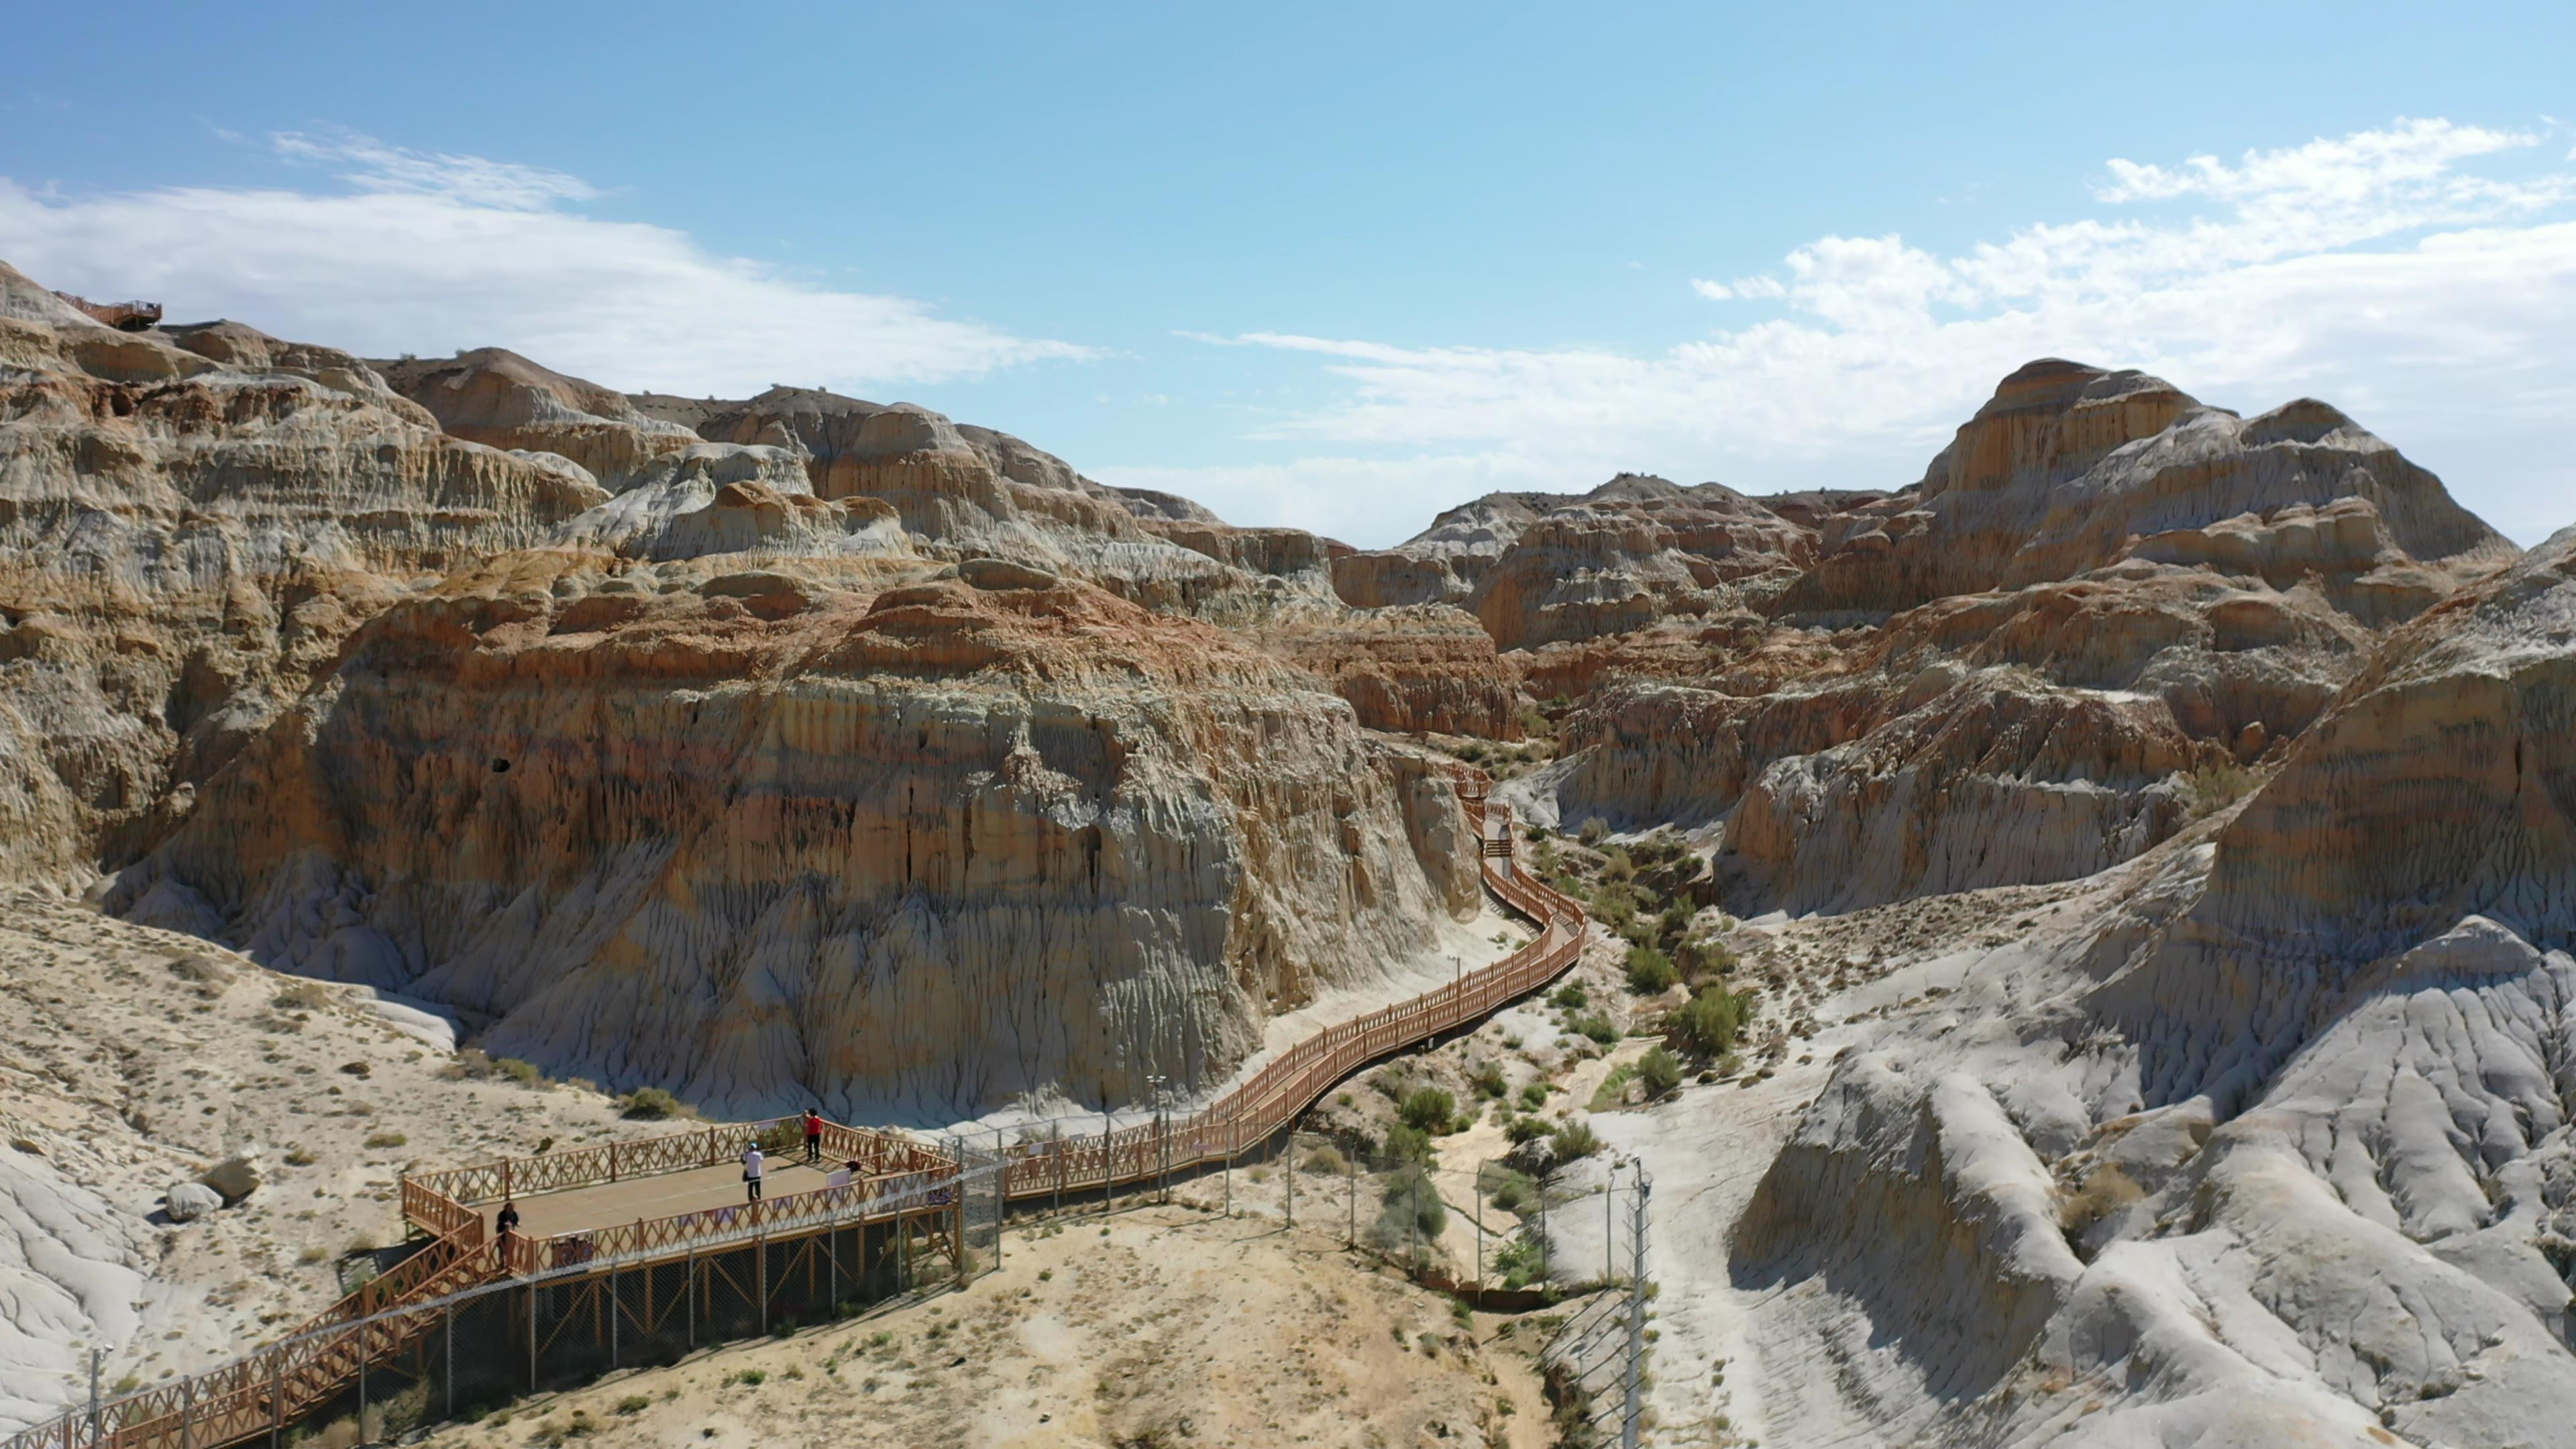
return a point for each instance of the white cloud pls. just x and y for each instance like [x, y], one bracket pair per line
[2436, 303]
[419, 252]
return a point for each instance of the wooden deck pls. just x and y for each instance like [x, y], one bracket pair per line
[669, 1194]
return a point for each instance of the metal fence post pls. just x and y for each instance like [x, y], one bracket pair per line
[1635, 1418]
[691, 1288]
[449, 1352]
[612, 1320]
[532, 1338]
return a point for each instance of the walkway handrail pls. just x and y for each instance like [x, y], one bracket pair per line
[1283, 1090]
[275, 1385]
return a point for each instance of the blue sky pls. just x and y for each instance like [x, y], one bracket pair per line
[1340, 267]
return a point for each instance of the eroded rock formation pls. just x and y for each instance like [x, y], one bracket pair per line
[824, 829]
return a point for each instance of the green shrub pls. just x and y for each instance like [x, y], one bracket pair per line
[523, 1073]
[1521, 1261]
[1408, 1144]
[751, 1378]
[1660, 1070]
[1428, 1109]
[386, 1139]
[648, 1104]
[1512, 1192]
[1596, 1026]
[1524, 1129]
[2213, 788]
[1650, 971]
[1488, 1081]
[1405, 1210]
[1573, 1140]
[1534, 1096]
[1612, 1094]
[1594, 831]
[1707, 1024]
[634, 1404]
[1571, 997]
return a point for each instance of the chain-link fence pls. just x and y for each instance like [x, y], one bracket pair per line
[1595, 1361]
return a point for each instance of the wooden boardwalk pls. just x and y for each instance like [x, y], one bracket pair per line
[588, 1214]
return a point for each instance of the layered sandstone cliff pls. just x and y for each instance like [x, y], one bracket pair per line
[2107, 598]
[191, 521]
[841, 830]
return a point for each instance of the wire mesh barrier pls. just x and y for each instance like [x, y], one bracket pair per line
[1595, 1362]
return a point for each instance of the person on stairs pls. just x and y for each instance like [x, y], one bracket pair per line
[751, 1168]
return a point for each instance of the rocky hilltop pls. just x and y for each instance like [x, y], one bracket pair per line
[2144, 847]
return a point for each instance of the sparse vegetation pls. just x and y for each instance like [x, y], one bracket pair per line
[1707, 1025]
[649, 1104]
[1594, 1025]
[1487, 1080]
[1593, 831]
[2212, 788]
[523, 1073]
[1429, 1110]
[1570, 997]
[1573, 1140]
[2105, 1192]
[1650, 971]
[1660, 1071]
[387, 1139]
[302, 996]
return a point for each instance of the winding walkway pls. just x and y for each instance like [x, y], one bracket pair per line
[595, 1221]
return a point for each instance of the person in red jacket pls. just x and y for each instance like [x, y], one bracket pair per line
[813, 1136]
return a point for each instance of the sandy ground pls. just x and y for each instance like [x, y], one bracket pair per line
[1828, 980]
[122, 1073]
[1154, 1326]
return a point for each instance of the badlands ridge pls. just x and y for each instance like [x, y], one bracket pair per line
[802, 748]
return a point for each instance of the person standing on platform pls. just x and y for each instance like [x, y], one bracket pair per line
[751, 1169]
[506, 1221]
[813, 1136]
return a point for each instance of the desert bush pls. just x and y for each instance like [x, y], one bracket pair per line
[1573, 1140]
[1594, 1025]
[1404, 1210]
[1428, 1109]
[1406, 1144]
[1612, 1094]
[303, 996]
[1512, 1192]
[1521, 1261]
[1571, 997]
[1650, 972]
[387, 1139]
[1594, 831]
[1487, 1080]
[1706, 1026]
[648, 1104]
[1660, 1070]
[634, 1404]
[2105, 1192]
[2213, 788]
[1534, 1096]
[523, 1073]
[1327, 1158]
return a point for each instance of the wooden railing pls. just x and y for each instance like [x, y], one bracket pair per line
[485, 1182]
[1281, 1091]
[275, 1386]
[863, 1200]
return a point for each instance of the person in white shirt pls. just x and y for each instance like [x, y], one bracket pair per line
[751, 1173]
